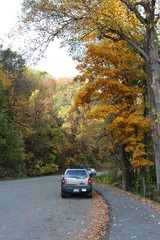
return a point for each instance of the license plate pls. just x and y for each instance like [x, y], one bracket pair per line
[84, 190]
[76, 190]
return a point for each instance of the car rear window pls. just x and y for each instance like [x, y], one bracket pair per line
[76, 173]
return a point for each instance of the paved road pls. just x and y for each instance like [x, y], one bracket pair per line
[131, 219]
[32, 209]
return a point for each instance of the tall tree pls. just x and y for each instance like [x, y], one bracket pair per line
[113, 82]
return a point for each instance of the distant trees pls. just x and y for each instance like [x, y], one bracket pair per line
[12, 153]
[31, 136]
[39, 131]
[88, 143]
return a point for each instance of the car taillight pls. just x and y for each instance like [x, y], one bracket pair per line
[89, 181]
[63, 181]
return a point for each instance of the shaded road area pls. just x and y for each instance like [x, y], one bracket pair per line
[131, 219]
[32, 209]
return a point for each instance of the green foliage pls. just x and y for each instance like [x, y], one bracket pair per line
[71, 162]
[46, 138]
[110, 179]
[12, 153]
[32, 139]
[11, 63]
[150, 179]
[114, 179]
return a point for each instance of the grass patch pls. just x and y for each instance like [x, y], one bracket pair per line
[112, 180]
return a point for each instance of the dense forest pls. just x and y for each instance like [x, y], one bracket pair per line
[39, 132]
[108, 116]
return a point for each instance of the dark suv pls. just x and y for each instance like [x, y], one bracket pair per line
[76, 181]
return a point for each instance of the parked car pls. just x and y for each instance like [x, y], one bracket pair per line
[76, 181]
[91, 171]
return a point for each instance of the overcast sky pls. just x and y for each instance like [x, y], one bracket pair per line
[58, 62]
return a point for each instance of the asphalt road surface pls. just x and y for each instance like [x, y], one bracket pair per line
[32, 209]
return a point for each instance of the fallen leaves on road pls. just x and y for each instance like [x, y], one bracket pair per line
[99, 220]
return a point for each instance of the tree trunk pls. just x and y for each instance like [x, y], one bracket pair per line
[153, 85]
[144, 181]
[125, 170]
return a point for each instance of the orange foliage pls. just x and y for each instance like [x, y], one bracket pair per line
[62, 81]
[110, 72]
[5, 79]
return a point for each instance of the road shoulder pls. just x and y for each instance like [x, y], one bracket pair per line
[133, 218]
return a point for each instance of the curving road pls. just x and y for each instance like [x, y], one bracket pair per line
[32, 209]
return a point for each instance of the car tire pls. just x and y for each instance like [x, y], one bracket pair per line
[63, 194]
[89, 194]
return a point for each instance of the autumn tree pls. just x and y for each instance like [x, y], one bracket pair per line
[114, 76]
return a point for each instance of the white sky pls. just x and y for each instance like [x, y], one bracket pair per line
[58, 62]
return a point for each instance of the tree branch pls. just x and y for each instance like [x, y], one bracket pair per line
[133, 9]
[124, 37]
[137, 46]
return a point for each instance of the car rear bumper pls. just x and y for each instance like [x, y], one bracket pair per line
[76, 189]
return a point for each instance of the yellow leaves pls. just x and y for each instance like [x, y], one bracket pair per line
[130, 131]
[102, 111]
[84, 95]
[138, 159]
[6, 81]
[137, 148]
[34, 96]
[136, 119]
[115, 15]
[133, 19]
[140, 162]
[113, 76]
[119, 122]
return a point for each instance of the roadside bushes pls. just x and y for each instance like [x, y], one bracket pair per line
[136, 183]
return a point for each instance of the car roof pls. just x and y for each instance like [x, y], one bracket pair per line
[76, 168]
